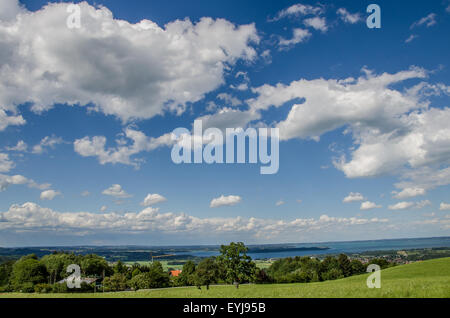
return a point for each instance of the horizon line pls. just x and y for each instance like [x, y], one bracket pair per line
[214, 245]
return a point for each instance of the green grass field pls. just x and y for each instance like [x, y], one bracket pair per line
[422, 279]
[165, 264]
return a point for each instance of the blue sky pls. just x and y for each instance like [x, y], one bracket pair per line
[362, 115]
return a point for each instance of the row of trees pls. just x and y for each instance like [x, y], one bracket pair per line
[307, 269]
[30, 274]
[232, 266]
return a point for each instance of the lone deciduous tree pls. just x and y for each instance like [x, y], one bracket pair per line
[237, 265]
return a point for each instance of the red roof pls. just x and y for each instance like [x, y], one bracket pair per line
[175, 273]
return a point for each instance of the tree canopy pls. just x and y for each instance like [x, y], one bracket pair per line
[238, 267]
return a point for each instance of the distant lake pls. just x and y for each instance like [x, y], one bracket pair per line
[339, 247]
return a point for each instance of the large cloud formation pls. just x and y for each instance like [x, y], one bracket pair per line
[116, 67]
[30, 216]
[124, 152]
[394, 130]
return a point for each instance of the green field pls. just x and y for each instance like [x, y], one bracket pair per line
[422, 279]
[165, 264]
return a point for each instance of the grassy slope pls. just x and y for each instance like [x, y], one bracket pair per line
[422, 279]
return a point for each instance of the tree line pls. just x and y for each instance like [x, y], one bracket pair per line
[310, 269]
[232, 266]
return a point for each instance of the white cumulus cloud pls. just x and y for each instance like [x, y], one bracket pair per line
[368, 205]
[124, 151]
[5, 163]
[116, 191]
[6, 181]
[353, 196]
[152, 199]
[394, 131]
[9, 120]
[225, 201]
[408, 193]
[49, 194]
[129, 70]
